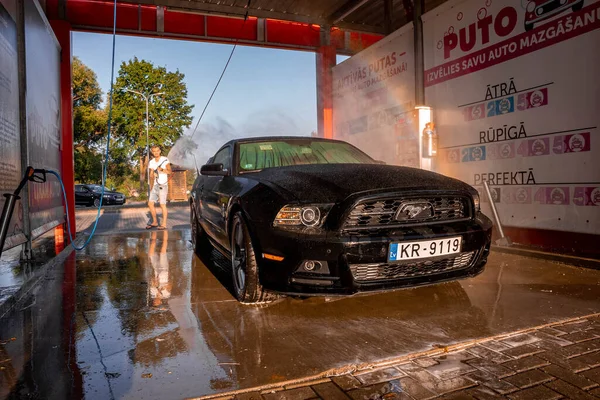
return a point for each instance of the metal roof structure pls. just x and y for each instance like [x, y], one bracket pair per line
[373, 16]
[352, 25]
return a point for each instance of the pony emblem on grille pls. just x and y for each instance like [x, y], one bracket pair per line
[414, 211]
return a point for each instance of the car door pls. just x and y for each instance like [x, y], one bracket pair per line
[214, 199]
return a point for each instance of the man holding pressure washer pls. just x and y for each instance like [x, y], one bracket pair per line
[159, 168]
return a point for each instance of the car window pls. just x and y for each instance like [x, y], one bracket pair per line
[282, 153]
[223, 157]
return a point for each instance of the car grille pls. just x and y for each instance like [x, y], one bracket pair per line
[410, 269]
[381, 213]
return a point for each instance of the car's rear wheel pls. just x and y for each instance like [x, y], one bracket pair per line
[199, 239]
[96, 202]
[244, 266]
[577, 7]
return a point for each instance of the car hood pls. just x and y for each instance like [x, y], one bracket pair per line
[332, 183]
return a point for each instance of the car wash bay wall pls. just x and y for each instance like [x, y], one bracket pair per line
[30, 112]
[515, 93]
[515, 98]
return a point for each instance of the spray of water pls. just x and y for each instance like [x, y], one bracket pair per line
[191, 152]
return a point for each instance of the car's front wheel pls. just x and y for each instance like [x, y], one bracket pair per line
[244, 266]
[96, 202]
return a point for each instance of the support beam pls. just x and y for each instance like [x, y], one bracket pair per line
[62, 30]
[419, 56]
[387, 16]
[226, 10]
[326, 59]
[345, 10]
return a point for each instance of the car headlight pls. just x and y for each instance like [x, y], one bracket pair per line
[530, 6]
[309, 216]
[476, 202]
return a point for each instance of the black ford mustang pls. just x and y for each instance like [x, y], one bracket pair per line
[311, 216]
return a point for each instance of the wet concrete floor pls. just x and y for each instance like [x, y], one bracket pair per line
[138, 315]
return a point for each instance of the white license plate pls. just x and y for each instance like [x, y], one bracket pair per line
[424, 249]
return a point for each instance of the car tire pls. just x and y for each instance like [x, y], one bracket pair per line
[528, 26]
[246, 285]
[202, 246]
[96, 203]
[577, 7]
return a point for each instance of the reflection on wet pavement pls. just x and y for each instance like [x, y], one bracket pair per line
[152, 320]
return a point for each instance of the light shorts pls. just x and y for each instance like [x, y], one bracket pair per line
[159, 193]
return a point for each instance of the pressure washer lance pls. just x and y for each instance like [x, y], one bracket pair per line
[11, 200]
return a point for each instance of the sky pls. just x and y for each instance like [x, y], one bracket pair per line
[263, 89]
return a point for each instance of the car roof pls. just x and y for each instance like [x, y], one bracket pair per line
[279, 138]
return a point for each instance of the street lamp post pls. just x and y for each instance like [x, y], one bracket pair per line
[147, 98]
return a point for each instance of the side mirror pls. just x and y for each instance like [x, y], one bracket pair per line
[213, 170]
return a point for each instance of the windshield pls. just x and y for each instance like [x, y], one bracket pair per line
[98, 188]
[283, 153]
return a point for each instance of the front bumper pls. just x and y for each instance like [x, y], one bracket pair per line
[343, 253]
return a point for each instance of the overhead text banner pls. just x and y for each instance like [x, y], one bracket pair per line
[373, 100]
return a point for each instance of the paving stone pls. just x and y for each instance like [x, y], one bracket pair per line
[488, 354]
[554, 331]
[379, 376]
[377, 391]
[457, 396]
[568, 390]
[525, 364]
[483, 393]
[529, 378]
[249, 396]
[329, 391]
[592, 374]
[582, 336]
[523, 351]
[555, 357]
[496, 369]
[595, 392]
[424, 377]
[303, 393]
[592, 360]
[559, 340]
[535, 393]
[574, 326]
[452, 385]
[582, 348]
[425, 362]
[574, 379]
[519, 340]
[451, 365]
[415, 389]
[495, 345]
[346, 382]
[491, 381]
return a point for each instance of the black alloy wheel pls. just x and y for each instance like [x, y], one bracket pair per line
[246, 285]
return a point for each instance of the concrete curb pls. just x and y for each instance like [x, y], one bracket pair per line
[19, 294]
[362, 368]
[561, 258]
[124, 208]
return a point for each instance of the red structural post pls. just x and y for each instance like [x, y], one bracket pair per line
[326, 59]
[62, 30]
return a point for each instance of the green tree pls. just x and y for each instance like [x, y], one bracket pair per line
[89, 123]
[169, 113]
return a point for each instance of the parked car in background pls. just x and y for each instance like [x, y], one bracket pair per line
[84, 196]
[84, 192]
[313, 216]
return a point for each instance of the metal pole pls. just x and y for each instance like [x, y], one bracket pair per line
[503, 241]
